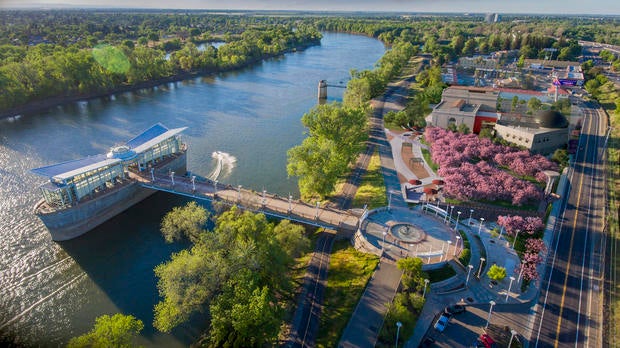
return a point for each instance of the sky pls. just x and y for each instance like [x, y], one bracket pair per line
[608, 7]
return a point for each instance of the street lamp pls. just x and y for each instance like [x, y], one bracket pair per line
[383, 245]
[482, 259]
[512, 279]
[492, 303]
[193, 182]
[450, 219]
[264, 197]
[398, 325]
[458, 238]
[458, 215]
[238, 193]
[425, 285]
[316, 213]
[480, 227]
[390, 201]
[521, 271]
[516, 236]
[501, 231]
[290, 203]
[471, 211]
[513, 333]
[172, 177]
[470, 267]
[153, 174]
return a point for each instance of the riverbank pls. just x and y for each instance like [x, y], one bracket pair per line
[41, 105]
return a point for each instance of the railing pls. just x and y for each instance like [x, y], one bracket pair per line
[263, 202]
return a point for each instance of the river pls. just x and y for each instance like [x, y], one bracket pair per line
[246, 120]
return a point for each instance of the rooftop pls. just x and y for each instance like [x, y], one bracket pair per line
[139, 144]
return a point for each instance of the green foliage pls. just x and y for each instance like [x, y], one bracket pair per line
[117, 331]
[187, 221]
[497, 273]
[413, 276]
[465, 256]
[463, 128]
[560, 156]
[371, 191]
[336, 135]
[238, 271]
[534, 104]
[486, 133]
[406, 309]
[443, 273]
[349, 272]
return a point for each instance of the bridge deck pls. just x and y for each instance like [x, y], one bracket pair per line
[266, 203]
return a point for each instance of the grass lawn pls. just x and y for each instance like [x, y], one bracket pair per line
[372, 188]
[443, 273]
[429, 161]
[349, 271]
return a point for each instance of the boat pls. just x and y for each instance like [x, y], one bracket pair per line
[82, 194]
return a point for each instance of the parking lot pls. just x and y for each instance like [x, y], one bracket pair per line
[463, 329]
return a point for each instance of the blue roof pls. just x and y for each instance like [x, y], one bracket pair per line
[61, 168]
[149, 134]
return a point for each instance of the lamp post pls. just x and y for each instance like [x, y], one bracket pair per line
[480, 227]
[492, 303]
[238, 193]
[450, 219]
[264, 197]
[521, 271]
[425, 285]
[410, 246]
[153, 174]
[398, 325]
[430, 250]
[501, 231]
[316, 213]
[172, 177]
[193, 182]
[509, 287]
[390, 201]
[214, 188]
[513, 333]
[383, 245]
[456, 226]
[469, 268]
[516, 236]
[290, 203]
[471, 211]
[458, 238]
[482, 259]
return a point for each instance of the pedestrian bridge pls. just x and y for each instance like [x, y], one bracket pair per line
[259, 202]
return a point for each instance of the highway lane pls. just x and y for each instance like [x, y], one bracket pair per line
[568, 305]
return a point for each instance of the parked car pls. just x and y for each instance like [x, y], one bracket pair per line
[428, 342]
[454, 309]
[487, 341]
[442, 322]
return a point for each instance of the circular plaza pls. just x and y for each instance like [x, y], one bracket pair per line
[408, 232]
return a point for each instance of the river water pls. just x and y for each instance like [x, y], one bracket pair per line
[244, 120]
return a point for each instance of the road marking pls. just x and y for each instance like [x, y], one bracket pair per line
[570, 249]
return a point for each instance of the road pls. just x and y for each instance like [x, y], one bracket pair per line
[568, 313]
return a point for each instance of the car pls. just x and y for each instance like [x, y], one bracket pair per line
[454, 309]
[428, 342]
[487, 341]
[441, 323]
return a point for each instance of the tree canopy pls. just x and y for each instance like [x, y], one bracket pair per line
[238, 272]
[117, 331]
[336, 134]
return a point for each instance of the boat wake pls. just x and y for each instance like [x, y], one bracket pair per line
[224, 165]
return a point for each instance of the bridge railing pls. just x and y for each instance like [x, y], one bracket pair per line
[267, 203]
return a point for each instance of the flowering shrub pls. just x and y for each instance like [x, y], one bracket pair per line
[511, 224]
[470, 167]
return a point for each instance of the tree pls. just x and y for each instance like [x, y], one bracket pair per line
[462, 128]
[497, 273]
[412, 269]
[116, 331]
[534, 104]
[187, 221]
